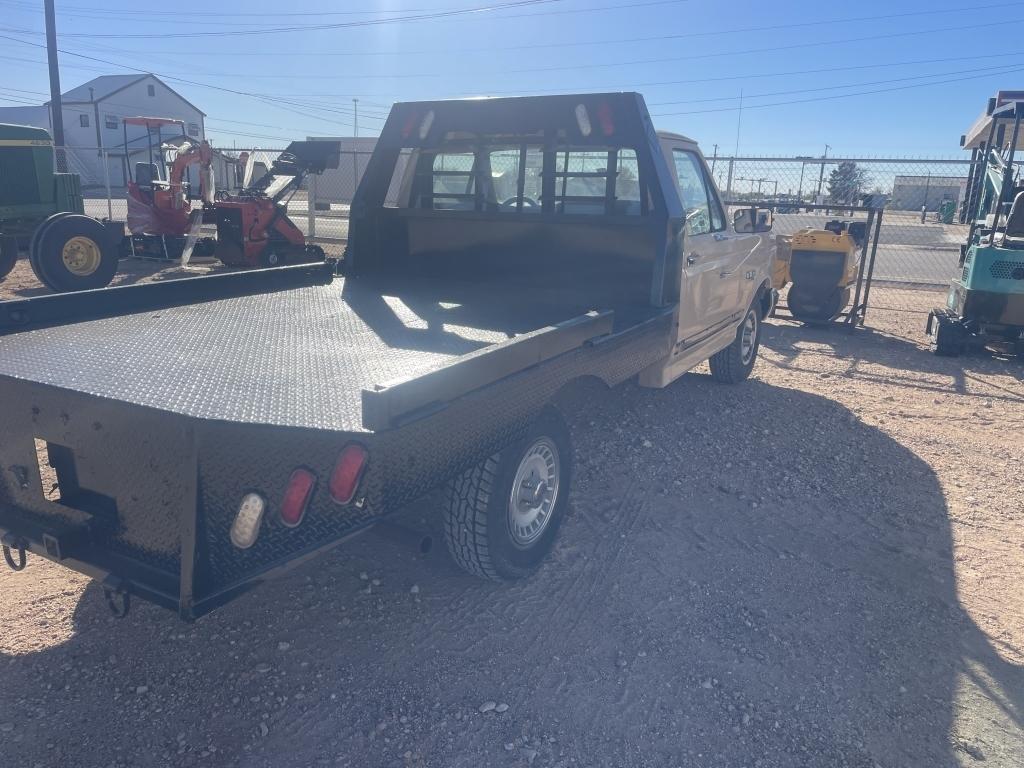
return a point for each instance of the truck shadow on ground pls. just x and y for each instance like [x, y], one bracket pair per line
[750, 576]
[905, 360]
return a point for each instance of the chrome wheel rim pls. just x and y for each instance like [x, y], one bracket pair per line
[81, 256]
[748, 336]
[534, 493]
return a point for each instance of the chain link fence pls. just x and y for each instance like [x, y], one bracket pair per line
[922, 204]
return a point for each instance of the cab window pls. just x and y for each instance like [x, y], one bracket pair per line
[700, 204]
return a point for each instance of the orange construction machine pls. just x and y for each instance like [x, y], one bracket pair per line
[160, 214]
[253, 228]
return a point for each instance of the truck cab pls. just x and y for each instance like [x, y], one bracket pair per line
[725, 264]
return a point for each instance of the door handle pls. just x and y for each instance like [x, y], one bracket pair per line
[691, 259]
[720, 236]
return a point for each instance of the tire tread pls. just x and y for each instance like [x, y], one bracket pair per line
[465, 518]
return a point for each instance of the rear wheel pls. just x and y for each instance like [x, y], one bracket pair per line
[74, 253]
[502, 516]
[734, 363]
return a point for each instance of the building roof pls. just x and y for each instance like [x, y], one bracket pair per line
[977, 134]
[101, 86]
[107, 85]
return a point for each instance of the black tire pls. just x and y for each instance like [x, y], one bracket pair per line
[272, 256]
[34, 240]
[8, 255]
[733, 364]
[50, 250]
[205, 247]
[807, 307]
[478, 516]
[947, 337]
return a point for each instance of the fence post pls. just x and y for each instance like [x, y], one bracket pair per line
[728, 183]
[106, 182]
[311, 208]
[871, 264]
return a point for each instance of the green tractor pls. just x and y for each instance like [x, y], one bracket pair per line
[985, 303]
[42, 213]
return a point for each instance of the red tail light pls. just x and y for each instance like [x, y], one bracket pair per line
[347, 473]
[604, 117]
[409, 125]
[296, 496]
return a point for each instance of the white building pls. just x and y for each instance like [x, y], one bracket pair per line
[92, 123]
[339, 185]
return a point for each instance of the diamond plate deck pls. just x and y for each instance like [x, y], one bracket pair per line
[297, 358]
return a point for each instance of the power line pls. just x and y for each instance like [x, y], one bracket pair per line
[508, 5]
[837, 96]
[583, 43]
[995, 70]
[248, 94]
[772, 49]
[615, 41]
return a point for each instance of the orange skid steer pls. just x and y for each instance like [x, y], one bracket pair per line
[253, 227]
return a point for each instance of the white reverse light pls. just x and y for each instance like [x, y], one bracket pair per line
[246, 527]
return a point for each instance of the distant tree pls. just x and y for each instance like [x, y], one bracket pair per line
[846, 182]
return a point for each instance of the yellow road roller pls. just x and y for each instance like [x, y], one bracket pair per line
[821, 268]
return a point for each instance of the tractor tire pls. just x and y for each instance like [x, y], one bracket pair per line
[502, 516]
[272, 256]
[74, 253]
[34, 240]
[733, 364]
[8, 255]
[947, 337]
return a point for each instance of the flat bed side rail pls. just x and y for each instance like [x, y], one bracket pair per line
[66, 308]
[388, 405]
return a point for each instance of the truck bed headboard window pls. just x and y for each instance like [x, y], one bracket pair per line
[592, 181]
[526, 178]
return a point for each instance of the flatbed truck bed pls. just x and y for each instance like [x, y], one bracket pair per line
[183, 442]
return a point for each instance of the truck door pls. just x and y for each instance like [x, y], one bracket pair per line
[708, 295]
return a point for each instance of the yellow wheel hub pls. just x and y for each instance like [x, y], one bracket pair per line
[81, 255]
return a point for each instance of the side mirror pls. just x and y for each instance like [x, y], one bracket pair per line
[749, 220]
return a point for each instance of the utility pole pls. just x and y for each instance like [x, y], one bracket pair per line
[355, 122]
[739, 120]
[56, 107]
[821, 173]
[714, 158]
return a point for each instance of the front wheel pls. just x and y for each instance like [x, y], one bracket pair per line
[946, 334]
[501, 517]
[734, 363]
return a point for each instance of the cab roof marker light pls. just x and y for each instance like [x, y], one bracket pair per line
[428, 121]
[296, 497]
[604, 117]
[246, 527]
[347, 473]
[409, 124]
[583, 119]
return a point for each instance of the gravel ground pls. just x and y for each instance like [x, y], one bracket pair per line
[820, 567]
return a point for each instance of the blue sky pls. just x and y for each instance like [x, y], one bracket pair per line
[914, 74]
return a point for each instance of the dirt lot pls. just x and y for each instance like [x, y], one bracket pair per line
[821, 567]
